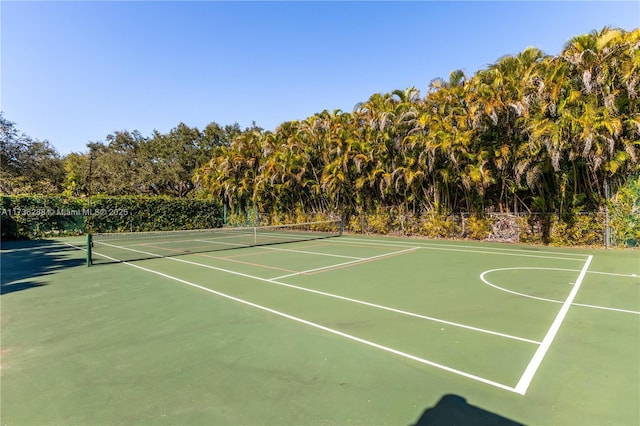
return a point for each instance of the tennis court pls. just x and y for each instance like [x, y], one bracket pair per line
[318, 328]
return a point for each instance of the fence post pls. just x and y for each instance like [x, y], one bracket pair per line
[607, 230]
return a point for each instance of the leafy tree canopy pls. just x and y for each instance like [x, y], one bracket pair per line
[27, 165]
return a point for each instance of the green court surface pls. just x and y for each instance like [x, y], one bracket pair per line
[347, 330]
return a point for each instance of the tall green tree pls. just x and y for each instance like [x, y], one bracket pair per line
[27, 165]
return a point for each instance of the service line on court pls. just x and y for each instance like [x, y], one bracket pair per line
[307, 246]
[357, 260]
[264, 247]
[315, 325]
[534, 364]
[336, 296]
[204, 240]
[310, 252]
[243, 262]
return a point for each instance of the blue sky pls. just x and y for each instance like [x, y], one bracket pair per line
[73, 72]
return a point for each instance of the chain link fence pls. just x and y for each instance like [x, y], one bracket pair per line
[576, 229]
[41, 217]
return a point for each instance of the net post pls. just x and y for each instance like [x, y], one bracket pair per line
[607, 229]
[341, 227]
[89, 244]
[255, 235]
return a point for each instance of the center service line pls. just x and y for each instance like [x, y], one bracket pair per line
[535, 362]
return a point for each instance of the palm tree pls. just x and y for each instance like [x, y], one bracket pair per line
[530, 131]
[600, 95]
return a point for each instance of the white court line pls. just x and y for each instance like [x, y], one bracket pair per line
[348, 299]
[264, 247]
[240, 245]
[466, 249]
[605, 308]
[281, 249]
[190, 240]
[502, 254]
[532, 367]
[321, 327]
[197, 236]
[161, 239]
[426, 243]
[358, 260]
[615, 274]
[544, 299]
[309, 252]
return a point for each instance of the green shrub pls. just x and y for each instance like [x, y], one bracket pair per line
[625, 214]
[38, 216]
[577, 230]
[379, 222]
[47, 216]
[530, 228]
[435, 225]
[355, 224]
[403, 222]
[477, 227]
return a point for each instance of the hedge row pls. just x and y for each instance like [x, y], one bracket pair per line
[31, 216]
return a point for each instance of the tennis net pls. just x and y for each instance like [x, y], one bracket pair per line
[130, 246]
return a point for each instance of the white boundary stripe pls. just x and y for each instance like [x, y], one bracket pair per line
[503, 254]
[208, 236]
[336, 296]
[420, 243]
[321, 327]
[309, 252]
[160, 241]
[478, 250]
[544, 299]
[626, 311]
[530, 371]
[358, 260]
[239, 245]
[615, 275]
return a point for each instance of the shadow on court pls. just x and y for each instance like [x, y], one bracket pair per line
[454, 410]
[24, 261]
